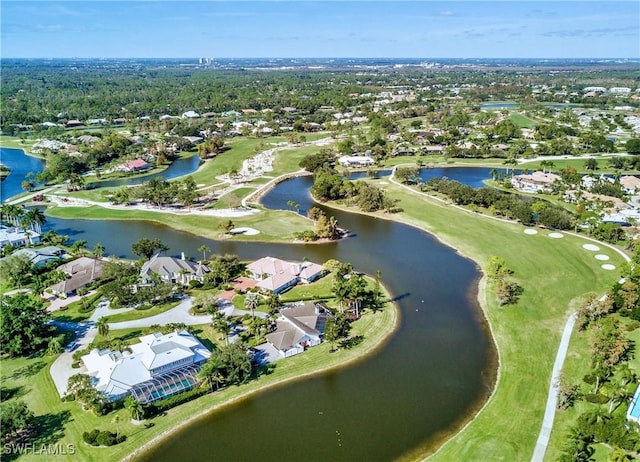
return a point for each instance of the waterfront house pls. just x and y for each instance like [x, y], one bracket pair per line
[10, 235]
[534, 182]
[135, 165]
[80, 273]
[299, 328]
[174, 270]
[275, 275]
[356, 161]
[156, 368]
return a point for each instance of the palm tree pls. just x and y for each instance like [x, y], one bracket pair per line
[134, 407]
[221, 323]
[251, 302]
[98, 250]
[36, 218]
[11, 213]
[78, 246]
[116, 420]
[204, 249]
[103, 327]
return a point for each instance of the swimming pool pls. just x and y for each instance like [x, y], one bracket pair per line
[633, 413]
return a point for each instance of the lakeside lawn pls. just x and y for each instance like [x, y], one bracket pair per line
[64, 422]
[555, 274]
[274, 226]
[578, 163]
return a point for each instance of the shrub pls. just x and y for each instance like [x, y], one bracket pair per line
[176, 400]
[596, 398]
[102, 438]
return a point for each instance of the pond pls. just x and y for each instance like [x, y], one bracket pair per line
[20, 165]
[434, 372]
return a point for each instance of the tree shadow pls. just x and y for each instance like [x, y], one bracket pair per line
[27, 371]
[6, 393]
[49, 428]
[351, 342]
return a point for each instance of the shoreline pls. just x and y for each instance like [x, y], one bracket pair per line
[422, 453]
[372, 350]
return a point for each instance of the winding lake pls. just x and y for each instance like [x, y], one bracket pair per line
[434, 372]
[431, 376]
[20, 165]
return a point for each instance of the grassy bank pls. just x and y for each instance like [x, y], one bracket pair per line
[274, 226]
[555, 274]
[64, 422]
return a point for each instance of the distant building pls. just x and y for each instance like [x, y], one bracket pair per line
[156, 368]
[534, 182]
[190, 115]
[356, 161]
[136, 165]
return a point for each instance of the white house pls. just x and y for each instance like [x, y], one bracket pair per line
[534, 182]
[16, 237]
[156, 368]
[298, 328]
[275, 275]
[174, 270]
[190, 115]
[356, 161]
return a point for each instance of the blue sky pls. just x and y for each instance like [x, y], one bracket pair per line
[424, 29]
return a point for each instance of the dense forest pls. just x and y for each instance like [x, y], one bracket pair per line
[33, 92]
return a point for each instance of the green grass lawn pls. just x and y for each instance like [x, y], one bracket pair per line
[578, 164]
[317, 290]
[522, 121]
[232, 199]
[273, 225]
[241, 149]
[64, 422]
[555, 274]
[142, 313]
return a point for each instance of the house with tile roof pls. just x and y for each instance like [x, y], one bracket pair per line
[174, 270]
[135, 165]
[299, 328]
[156, 368]
[275, 275]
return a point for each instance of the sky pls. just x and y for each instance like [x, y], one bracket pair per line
[362, 29]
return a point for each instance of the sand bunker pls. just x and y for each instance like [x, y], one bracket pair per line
[245, 231]
[531, 231]
[608, 267]
[592, 247]
[556, 235]
[602, 257]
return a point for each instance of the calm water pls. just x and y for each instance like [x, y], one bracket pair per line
[178, 167]
[434, 371]
[20, 164]
[431, 375]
